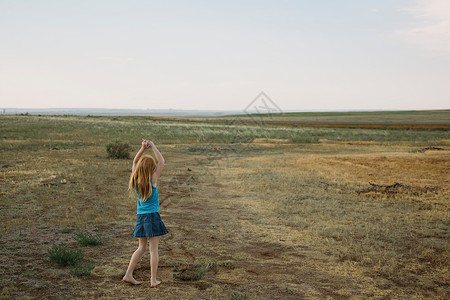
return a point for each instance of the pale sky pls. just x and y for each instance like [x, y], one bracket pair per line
[219, 55]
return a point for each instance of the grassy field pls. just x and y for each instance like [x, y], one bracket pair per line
[420, 119]
[412, 116]
[262, 212]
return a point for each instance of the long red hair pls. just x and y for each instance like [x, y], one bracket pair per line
[141, 176]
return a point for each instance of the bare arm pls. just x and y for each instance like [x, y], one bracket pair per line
[160, 159]
[139, 154]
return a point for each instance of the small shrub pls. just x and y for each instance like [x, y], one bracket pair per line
[86, 238]
[83, 268]
[118, 150]
[63, 256]
[289, 291]
[199, 268]
[237, 296]
[204, 263]
[225, 263]
[196, 271]
[193, 274]
[66, 230]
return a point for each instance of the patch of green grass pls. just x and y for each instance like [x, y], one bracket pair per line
[34, 132]
[384, 116]
[290, 292]
[191, 274]
[66, 230]
[83, 268]
[86, 238]
[237, 296]
[27, 273]
[63, 256]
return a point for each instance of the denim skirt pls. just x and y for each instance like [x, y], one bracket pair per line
[148, 225]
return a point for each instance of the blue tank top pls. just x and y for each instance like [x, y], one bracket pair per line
[152, 203]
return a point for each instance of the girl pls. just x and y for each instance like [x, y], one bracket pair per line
[149, 226]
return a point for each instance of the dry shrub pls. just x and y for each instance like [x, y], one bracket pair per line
[118, 150]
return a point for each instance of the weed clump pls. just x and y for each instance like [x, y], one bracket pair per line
[199, 268]
[237, 296]
[68, 257]
[83, 268]
[66, 230]
[86, 238]
[196, 271]
[192, 274]
[63, 256]
[118, 150]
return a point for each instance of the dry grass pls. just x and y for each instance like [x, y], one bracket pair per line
[397, 245]
[284, 222]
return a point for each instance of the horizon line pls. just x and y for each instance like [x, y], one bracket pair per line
[214, 110]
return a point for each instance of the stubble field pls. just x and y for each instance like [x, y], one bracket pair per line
[253, 212]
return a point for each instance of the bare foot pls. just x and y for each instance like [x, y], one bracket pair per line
[155, 283]
[131, 280]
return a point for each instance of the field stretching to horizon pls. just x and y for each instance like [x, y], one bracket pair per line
[254, 211]
[409, 116]
[415, 119]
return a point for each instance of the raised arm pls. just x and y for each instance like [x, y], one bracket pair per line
[139, 154]
[160, 160]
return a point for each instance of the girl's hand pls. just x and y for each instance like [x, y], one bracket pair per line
[145, 144]
[150, 144]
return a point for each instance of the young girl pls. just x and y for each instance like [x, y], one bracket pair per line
[149, 226]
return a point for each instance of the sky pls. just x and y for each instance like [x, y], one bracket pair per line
[219, 55]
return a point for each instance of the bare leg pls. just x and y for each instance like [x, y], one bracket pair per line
[134, 260]
[154, 259]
